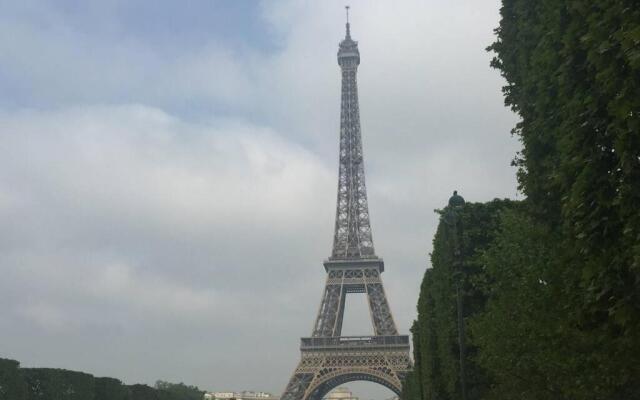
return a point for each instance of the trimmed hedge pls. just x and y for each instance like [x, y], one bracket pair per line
[435, 333]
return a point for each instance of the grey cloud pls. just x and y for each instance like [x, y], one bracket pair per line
[127, 217]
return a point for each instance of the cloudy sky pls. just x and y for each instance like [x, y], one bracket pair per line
[168, 173]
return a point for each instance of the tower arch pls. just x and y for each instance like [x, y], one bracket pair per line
[324, 386]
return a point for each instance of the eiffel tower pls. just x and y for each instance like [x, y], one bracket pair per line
[329, 359]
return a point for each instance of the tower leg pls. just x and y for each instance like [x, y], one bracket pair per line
[329, 320]
[297, 387]
[380, 312]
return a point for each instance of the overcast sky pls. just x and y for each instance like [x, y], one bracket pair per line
[168, 173]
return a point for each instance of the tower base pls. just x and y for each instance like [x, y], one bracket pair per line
[328, 362]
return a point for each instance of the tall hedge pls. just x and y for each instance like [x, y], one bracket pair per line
[412, 389]
[526, 340]
[558, 294]
[435, 332]
[573, 76]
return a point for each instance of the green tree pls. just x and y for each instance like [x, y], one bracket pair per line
[143, 392]
[573, 76]
[552, 295]
[523, 337]
[110, 389]
[526, 339]
[435, 332]
[58, 384]
[178, 391]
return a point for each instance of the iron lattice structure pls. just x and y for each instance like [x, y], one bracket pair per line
[352, 237]
[329, 359]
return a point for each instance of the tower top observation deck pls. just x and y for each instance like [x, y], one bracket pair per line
[348, 54]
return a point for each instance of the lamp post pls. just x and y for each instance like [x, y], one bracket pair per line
[456, 202]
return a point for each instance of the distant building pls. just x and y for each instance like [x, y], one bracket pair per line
[244, 395]
[341, 393]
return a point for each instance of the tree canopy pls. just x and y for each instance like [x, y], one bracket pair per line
[552, 300]
[59, 384]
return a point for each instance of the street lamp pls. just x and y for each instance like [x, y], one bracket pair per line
[456, 202]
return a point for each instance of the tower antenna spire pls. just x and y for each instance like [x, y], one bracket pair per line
[348, 26]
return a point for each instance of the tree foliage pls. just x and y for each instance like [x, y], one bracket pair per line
[528, 337]
[554, 300]
[12, 384]
[573, 76]
[178, 391]
[436, 373]
[111, 389]
[58, 384]
[143, 392]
